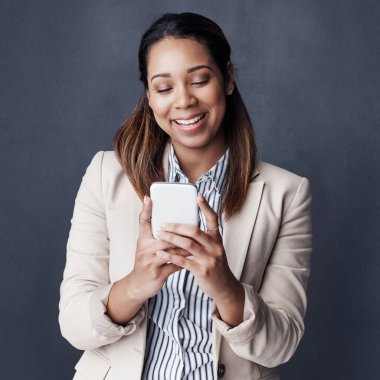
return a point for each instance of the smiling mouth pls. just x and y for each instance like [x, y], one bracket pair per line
[191, 122]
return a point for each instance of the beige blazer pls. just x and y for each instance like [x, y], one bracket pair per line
[268, 246]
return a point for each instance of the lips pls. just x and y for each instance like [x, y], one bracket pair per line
[190, 120]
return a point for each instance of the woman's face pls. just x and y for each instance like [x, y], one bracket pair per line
[186, 93]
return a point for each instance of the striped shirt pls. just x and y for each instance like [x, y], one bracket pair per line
[179, 344]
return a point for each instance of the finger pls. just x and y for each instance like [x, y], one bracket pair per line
[148, 254]
[159, 245]
[145, 217]
[168, 269]
[158, 261]
[186, 230]
[212, 222]
[152, 258]
[183, 242]
[177, 260]
[178, 251]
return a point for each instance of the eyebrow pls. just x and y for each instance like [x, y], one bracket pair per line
[192, 69]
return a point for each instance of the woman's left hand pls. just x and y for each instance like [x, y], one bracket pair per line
[209, 263]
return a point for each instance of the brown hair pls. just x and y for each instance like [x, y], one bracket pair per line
[139, 144]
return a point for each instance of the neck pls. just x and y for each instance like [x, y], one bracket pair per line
[196, 161]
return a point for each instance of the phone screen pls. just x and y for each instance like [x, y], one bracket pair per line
[173, 202]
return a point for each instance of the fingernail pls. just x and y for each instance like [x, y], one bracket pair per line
[163, 226]
[161, 254]
[144, 198]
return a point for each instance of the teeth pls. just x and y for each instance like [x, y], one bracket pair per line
[191, 121]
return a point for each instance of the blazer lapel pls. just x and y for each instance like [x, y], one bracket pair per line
[238, 229]
[237, 232]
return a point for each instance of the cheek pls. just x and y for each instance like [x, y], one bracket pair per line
[217, 100]
[159, 106]
[215, 96]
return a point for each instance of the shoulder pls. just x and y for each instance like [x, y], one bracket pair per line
[270, 173]
[282, 185]
[107, 159]
[106, 162]
[105, 171]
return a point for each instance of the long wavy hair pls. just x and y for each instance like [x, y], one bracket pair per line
[139, 144]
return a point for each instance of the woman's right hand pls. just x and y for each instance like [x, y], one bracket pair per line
[150, 271]
[148, 275]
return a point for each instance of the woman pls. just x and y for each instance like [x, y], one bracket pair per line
[138, 306]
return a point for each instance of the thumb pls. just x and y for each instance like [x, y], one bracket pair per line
[145, 218]
[212, 223]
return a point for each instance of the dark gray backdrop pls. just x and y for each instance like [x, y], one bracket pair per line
[309, 73]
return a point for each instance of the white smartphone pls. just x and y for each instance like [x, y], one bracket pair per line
[173, 202]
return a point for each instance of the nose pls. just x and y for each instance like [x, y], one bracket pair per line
[184, 97]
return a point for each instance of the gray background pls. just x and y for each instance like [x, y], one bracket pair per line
[309, 72]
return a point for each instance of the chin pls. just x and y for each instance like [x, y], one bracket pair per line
[194, 142]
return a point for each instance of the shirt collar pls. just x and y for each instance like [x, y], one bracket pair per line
[217, 174]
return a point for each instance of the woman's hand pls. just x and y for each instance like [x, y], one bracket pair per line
[209, 263]
[148, 275]
[150, 271]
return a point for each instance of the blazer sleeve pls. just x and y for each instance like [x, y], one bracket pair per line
[274, 317]
[86, 283]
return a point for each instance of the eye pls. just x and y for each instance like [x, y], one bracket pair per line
[164, 90]
[200, 83]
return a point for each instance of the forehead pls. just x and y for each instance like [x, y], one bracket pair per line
[172, 54]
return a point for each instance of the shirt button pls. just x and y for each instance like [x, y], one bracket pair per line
[221, 370]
